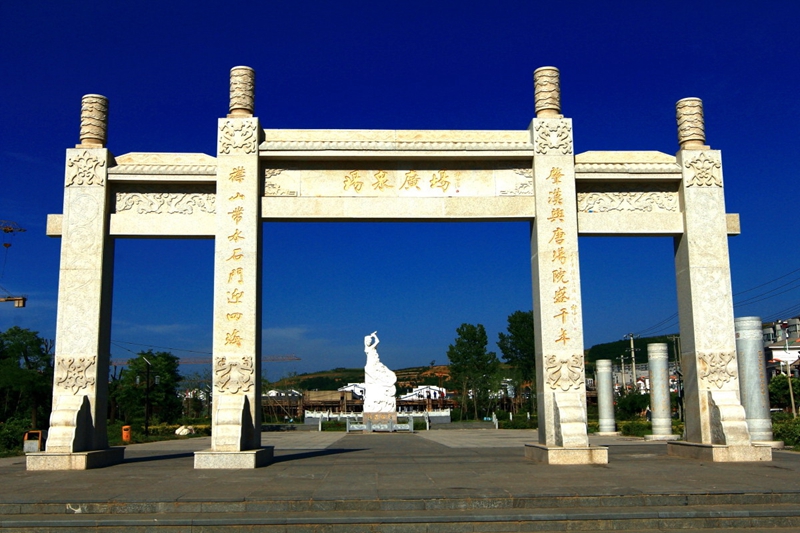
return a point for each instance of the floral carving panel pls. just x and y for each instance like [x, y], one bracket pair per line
[716, 368]
[84, 169]
[232, 376]
[564, 372]
[74, 373]
[643, 197]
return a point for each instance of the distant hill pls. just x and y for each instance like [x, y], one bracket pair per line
[407, 378]
[612, 350]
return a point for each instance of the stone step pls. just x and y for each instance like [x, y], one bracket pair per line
[614, 503]
[775, 517]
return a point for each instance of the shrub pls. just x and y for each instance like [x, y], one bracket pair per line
[11, 434]
[788, 431]
[334, 425]
[520, 422]
[635, 428]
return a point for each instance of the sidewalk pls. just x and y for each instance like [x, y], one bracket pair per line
[370, 474]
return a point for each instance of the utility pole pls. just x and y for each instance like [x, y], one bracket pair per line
[676, 346]
[785, 327]
[631, 336]
[622, 364]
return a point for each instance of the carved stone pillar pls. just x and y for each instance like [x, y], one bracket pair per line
[753, 379]
[236, 408]
[605, 398]
[715, 419]
[660, 411]
[560, 375]
[77, 438]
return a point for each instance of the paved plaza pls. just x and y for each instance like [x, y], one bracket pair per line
[462, 477]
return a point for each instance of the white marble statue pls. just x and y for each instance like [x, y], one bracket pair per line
[378, 380]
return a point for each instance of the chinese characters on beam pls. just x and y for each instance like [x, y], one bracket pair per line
[381, 181]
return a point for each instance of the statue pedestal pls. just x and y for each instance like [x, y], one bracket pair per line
[380, 421]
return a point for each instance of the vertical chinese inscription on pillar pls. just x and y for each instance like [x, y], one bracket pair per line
[563, 372]
[236, 275]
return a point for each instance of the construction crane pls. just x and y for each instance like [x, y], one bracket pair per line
[8, 229]
[207, 360]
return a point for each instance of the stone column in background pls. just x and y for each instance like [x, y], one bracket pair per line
[660, 409]
[753, 377]
[605, 398]
[236, 414]
[558, 320]
[77, 436]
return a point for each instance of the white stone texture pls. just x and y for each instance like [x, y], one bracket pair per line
[720, 453]
[379, 382]
[555, 271]
[80, 384]
[705, 301]
[753, 377]
[236, 418]
[660, 410]
[557, 455]
[605, 397]
[74, 461]
[211, 459]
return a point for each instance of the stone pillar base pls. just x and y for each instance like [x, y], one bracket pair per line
[606, 434]
[210, 459]
[558, 455]
[75, 460]
[774, 444]
[719, 453]
[662, 437]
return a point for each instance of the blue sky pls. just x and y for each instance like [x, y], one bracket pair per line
[403, 65]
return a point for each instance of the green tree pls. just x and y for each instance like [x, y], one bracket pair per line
[132, 388]
[779, 391]
[26, 375]
[471, 365]
[518, 347]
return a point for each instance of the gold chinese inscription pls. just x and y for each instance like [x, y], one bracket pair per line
[236, 236]
[353, 180]
[555, 175]
[381, 181]
[236, 275]
[233, 316]
[411, 181]
[440, 180]
[234, 337]
[235, 296]
[236, 214]
[237, 174]
[236, 255]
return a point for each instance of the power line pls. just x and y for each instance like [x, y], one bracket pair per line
[772, 293]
